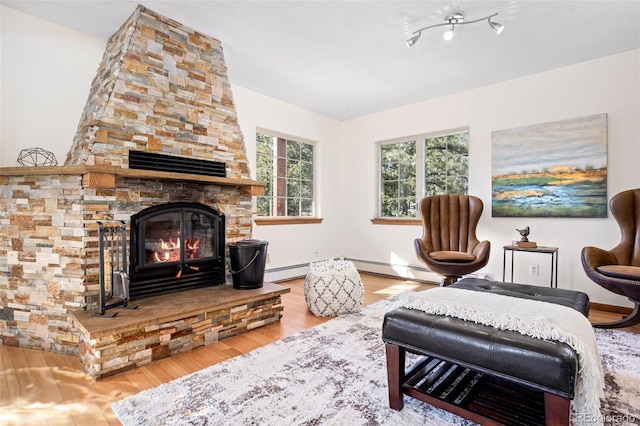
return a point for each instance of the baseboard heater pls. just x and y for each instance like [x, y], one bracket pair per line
[420, 274]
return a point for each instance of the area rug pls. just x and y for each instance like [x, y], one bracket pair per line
[335, 374]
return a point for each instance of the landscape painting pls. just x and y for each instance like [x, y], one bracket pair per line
[554, 169]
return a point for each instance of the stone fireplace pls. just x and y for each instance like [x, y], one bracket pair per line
[161, 88]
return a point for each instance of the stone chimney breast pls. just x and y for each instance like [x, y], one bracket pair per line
[160, 87]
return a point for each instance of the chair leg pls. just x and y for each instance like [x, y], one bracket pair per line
[446, 281]
[632, 319]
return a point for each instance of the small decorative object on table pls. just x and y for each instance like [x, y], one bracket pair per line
[524, 241]
[37, 157]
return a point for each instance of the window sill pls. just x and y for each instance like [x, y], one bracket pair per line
[396, 221]
[260, 221]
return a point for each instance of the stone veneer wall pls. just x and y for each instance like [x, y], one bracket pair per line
[42, 238]
[161, 87]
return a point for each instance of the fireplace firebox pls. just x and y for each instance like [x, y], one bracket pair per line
[176, 247]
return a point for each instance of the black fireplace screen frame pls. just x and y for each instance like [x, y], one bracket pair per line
[149, 278]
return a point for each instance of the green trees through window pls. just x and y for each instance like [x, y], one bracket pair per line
[447, 164]
[287, 166]
[424, 165]
[398, 179]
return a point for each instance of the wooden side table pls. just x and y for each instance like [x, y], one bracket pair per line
[553, 251]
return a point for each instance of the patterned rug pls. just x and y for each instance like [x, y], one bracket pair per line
[335, 374]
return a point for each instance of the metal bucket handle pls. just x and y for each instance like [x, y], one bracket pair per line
[248, 264]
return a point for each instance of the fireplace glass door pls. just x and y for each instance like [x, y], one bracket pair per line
[181, 236]
[175, 247]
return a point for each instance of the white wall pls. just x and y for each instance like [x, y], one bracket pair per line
[290, 244]
[46, 75]
[43, 94]
[607, 85]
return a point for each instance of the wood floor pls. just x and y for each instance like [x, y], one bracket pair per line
[44, 388]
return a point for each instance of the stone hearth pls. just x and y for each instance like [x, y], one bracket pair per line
[160, 88]
[166, 325]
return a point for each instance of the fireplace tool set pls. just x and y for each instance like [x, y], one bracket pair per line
[114, 280]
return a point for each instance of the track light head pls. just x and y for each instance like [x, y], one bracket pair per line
[448, 35]
[413, 40]
[496, 26]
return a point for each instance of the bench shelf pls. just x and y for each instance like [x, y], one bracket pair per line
[478, 396]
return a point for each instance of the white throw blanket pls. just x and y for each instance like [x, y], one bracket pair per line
[541, 320]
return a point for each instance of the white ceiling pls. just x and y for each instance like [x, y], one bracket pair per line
[349, 58]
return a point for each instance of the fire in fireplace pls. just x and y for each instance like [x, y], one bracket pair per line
[176, 247]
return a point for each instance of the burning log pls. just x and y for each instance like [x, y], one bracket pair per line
[169, 251]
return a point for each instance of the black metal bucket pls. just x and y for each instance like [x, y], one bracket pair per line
[248, 261]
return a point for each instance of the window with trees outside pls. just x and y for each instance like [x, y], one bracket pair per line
[414, 167]
[287, 166]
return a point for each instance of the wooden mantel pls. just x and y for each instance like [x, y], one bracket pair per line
[105, 176]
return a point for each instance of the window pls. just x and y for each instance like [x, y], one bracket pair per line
[398, 179]
[413, 167]
[287, 166]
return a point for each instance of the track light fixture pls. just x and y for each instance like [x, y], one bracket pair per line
[452, 21]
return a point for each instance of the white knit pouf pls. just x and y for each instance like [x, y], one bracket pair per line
[333, 287]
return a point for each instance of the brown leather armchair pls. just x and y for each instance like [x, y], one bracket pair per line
[618, 269]
[449, 245]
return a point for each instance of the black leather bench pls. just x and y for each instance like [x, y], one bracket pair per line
[487, 375]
